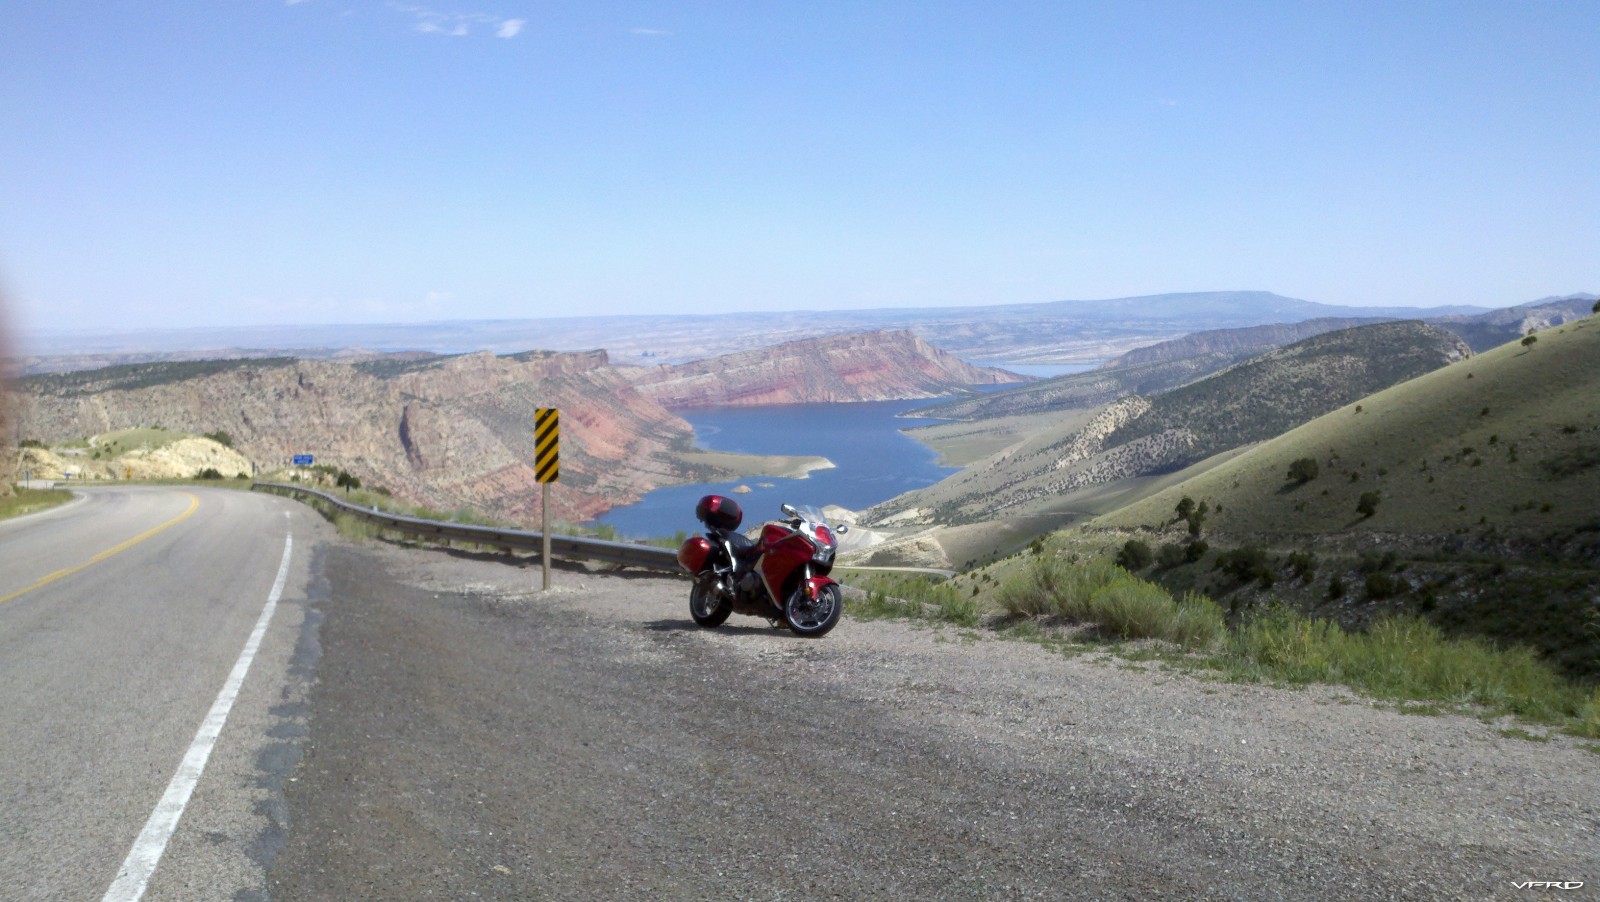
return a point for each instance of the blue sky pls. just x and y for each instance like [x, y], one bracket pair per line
[236, 162]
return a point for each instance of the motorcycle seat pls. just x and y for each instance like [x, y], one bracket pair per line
[743, 548]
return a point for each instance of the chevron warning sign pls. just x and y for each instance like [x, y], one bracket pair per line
[547, 444]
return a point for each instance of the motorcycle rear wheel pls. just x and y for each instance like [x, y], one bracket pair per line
[813, 618]
[708, 608]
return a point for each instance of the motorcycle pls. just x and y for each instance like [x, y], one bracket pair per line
[782, 575]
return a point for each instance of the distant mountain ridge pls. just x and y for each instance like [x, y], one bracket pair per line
[1240, 341]
[1076, 331]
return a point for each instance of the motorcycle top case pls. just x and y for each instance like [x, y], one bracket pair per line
[719, 512]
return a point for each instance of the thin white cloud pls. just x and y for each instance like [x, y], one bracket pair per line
[293, 2]
[457, 25]
[653, 32]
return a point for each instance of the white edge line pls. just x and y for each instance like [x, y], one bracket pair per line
[146, 853]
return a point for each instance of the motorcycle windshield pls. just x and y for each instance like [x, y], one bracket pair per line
[808, 513]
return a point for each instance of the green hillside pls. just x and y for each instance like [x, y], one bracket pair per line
[1084, 462]
[1082, 390]
[1506, 443]
[1270, 394]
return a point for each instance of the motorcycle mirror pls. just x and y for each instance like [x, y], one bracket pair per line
[841, 529]
[789, 511]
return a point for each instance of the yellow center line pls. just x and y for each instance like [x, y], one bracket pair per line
[194, 505]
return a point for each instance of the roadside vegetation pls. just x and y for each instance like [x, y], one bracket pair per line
[1051, 594]
[31, 501]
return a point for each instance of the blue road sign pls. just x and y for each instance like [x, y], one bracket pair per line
[303, 460]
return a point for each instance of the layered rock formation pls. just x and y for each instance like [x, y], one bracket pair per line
[454, 432]
[865, 366]
[446, 432]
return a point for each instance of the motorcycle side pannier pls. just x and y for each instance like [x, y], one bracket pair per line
[693, 553]
[719, 512]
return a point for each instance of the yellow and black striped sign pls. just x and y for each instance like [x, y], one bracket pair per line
[547, 444]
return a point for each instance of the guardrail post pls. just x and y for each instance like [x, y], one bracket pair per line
[544, 530]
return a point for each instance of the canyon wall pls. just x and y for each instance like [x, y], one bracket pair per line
[453, 432]
[863, 366]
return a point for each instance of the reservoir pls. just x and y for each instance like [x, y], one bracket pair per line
[873, 462]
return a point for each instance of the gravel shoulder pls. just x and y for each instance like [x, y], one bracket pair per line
[471, 737]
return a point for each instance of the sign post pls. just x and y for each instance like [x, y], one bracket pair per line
[546, 469]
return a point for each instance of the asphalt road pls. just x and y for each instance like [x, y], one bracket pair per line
[419, 725]
[472, 738]
[123, 616]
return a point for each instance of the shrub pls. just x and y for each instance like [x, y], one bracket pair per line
[209, 473]
[1135, 555]
[1367, 504]
[1304, 565]
[1197, 623]
[1170, 555]
[1528, 342]
[1373, 560]
[30, 443]
[1184, 508]
[1381, 585]
[1195, 550]
[220, 437]
[1246, 564]
[347, 482]
[1335, 588]
[1051, 585]
[1303, 470]
[1131, 608]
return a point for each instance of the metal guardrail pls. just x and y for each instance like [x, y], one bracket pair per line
[571, 547]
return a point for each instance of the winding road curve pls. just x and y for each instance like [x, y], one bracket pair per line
[468, 737]
[122, 618]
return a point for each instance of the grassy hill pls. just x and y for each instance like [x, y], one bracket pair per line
[1278, 390]
[1505, 443]
[1084, 462]
[1078, 391]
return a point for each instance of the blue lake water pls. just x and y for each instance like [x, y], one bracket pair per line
[873, 462]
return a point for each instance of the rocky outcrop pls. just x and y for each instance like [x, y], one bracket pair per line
[866, 366]
[1092, 439]
[445, 432]
[185, 458]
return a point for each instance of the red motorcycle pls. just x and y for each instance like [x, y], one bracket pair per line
[782, 576]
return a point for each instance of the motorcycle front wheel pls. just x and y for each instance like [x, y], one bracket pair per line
[810, 617]
[708, 607]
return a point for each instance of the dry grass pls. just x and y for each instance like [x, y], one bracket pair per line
[1508, 439]
[31, 501]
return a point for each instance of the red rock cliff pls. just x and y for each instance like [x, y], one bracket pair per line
[864, 366]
